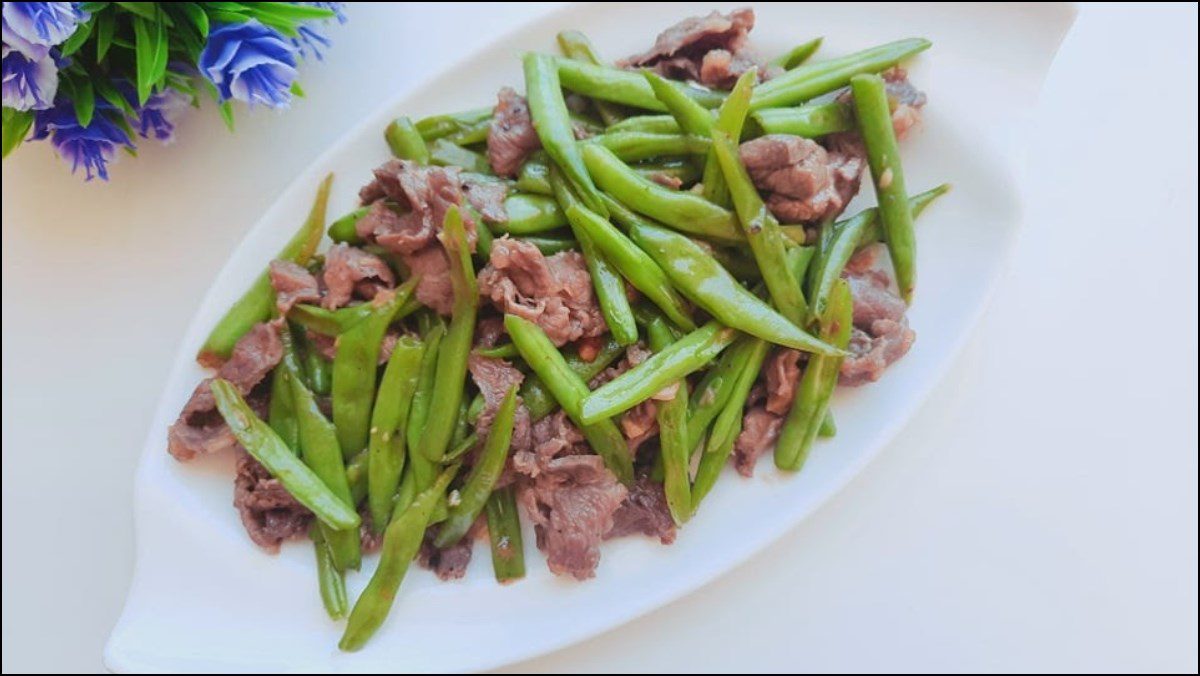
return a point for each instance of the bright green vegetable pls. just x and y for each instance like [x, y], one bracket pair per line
[330, 322]
[405, 141]
[634, 146]
[692, 117]
[715, 389]
[537, 396]
[687, 355]
[502, 351]
[445, 153]
[622, 86]
[530, 215]
[673, 434]
[504, 531]
[258, 302]
[261, 442]
[389, 420]
[281, 415]
[439, 126]
[730, 119]
[344, 229]
[576, 45]
[811, 80]
[550, 245]
[329, 579]
[570, 390]
[828, 426]
[796, 55]
[812, 120]
[400, 544]
[476, 133]
[534, 176]
[479, 484]
[356, 476]
[461, 448]
[647, 124]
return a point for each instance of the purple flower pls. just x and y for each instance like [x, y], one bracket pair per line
[250, 62]
[311, 36]
[91, 147]
[157, 117]
[28, 84]
[32, 28]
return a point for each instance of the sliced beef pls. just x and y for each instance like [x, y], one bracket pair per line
[644, 512]
[760, 430]
[489, 331]
[881, 334]
[448, 563]
[293, 284]
[640, 423]
[350, 271]
[269, 513]
[511, 138]
[434, 291]
[782, 376]
[552, 437]
[804, 182]
[487, 197]
[495, 377]
[712, 50]
[555, 293]
[200, 428]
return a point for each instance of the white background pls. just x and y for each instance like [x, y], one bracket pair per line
[1039, 512]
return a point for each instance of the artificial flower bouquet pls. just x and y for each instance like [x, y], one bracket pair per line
[90, 77]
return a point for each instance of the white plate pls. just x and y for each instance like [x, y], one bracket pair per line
[203, 598]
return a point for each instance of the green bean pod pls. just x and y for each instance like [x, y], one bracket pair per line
[577, 46]
[261, 442]
[692, 117]
[715, 389]
[474, 493]
[796, 55]
[330, 581]
[356, 476]
[552, 123]
[686, 172]
[622, 86]
[537, 396]
[455, 347]
[345, 229]
[687, 355]
[405, 141]
[355, 366]
[728, 424]
[389, 418]
[258, 302]
[816, 386]
[550, 244]
[811, 80]
[281, 415]
[440, 126]
[534, 176]
[647, 124]
[502, 351]
[730, 119]
[530, 215]
[461, 448]
[683, 211]
[828, 426]
[812, 120]
[401, 541]
[504, 531]
[634, 146]
[697, 275]
[330, 322]
[570, 390]
[445, 153]
[476, 133]
[672, 416]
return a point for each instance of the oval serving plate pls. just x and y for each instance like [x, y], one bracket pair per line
[204, 598]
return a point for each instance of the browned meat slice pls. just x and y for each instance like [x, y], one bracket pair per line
[805, 182]
[783, 376]
[495, 377]
[551, 437]
[434, 291]
[640, 423]
[760, 430]
[487, 197]
[489, 331]
[571, 503]
[511, 137]
[269, 513]
[644, 511]
[200, 428]
[293, 284]
[448, 563]
[349, 270]
[427, 192]
[712, 50]
[555, 293]
[881, 334]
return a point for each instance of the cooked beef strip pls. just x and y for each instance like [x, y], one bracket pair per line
[782, 378]
[350, 270]
[269, 513]
[448, 563]
[293, 284]
[712, 50]
[881, 334]
[486, 196]
[804, 182]
[644, 512]
[511, 138]
[494, 377]
[760, 430]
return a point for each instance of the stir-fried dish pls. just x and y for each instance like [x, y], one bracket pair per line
[571, 309]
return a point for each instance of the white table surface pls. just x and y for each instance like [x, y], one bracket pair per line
[1038, 513]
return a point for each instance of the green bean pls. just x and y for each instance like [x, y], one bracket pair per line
[730, 119]
[816, 386]
[479, 483]
[570, 390]
[715, 389]
[622, 86]
[647, 124]
[317, 369]
[400, 544]
[699, 277]
[883, 156]
[462, 448]
[529, 215]
[281, 415]
[445, 153]
[576, 45]
[828, 426]
[799, 258]
[504, 531]
[728, 424]
[476, 133]
[455, 347]
[389, 419]
[318, 444]
[537, 396]
[634, 146]
[438, 126]
[419, 409]
[610, 288]
[687, 355]
[681, 210]
[502, 351]
[483, 238]
[581, 122]
[534, 176]
[356, 476]
[692, 117]
[258, 302]
[345, 229]
[408, 490]
[738, 262]
[633, 263]
[812, 120]
[405, 141]
[762, 232]
[850, 234]
[261, 442]
[796, 55]
[548, 111]
[329, 579]
[355, 366]
[813, 79]
[673, 434]
[462, 426]
[550, 245]
[330, 322]
[685, 171]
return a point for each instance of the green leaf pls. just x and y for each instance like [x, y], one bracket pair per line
[162, 42]
[16, 127]
[93, 7]
[223, 16]
[295, 89]
[84, 100]
[294, 11]
[143, 9]
[73, 43]
[108, 92]
[227, 114]
[106, 26]
[195, 14]
[145, 57]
